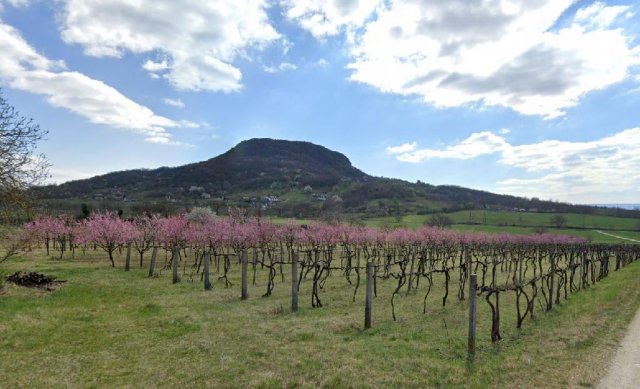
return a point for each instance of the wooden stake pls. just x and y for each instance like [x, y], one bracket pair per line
[473, 281]
[244, 294]
[127, 262]
[207, 282]
[294, 282]
[175, 257]
[369, 296]
[152, 265]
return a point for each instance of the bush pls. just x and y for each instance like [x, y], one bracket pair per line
[440, 221]
[539, 230]
[200, 215]
[559, 221]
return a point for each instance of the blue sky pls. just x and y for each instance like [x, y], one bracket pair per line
[533, 98]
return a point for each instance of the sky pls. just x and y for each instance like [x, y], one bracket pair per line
[536, 98]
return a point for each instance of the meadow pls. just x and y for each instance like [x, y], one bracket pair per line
[581, 225]
[108, 327]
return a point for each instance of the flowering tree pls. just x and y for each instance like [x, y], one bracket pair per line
[146, 234]
[201, 215]
[108, 232]
[49, 229]
[174, 232]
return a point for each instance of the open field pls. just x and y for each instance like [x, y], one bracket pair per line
[106, 327]
[524, 219]
[592, 235]
[530, 219]
[526, 223]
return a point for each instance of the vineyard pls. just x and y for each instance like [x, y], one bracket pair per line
[536, 272]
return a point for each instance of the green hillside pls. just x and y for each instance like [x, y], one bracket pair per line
[282, 178]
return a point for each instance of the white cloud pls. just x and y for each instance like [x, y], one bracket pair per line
[190, 124]
[323, 63]
[15, 3]
[574, 171]
[477, 144]
[166, 141]
[152, 67]
[499, 53]
[600, 15]
[198, 39]
[61, 174]
[18, 3]
[174, 102]
[329, 17]
[284, 66]
[402, 149]
[21, 67]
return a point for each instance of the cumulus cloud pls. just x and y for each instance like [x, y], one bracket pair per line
[507, 53]
[15, 3]
[280, 67]
[576, 171]
[153, 67]
[599, 15]
[477, 144]
[323, 63]
[174, 102]
[402, 149]
[198, 40]
[59, 175]
[21, 67]
[323, 18]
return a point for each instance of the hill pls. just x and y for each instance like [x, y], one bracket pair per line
[281, 178]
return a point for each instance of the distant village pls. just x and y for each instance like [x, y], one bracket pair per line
[198, 192]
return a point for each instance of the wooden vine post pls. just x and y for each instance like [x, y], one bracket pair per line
[154, 258]
[207, 282]
[244, 294]
[294, 281]
[174, 264]
[467, 264]
[369, 296]
[127, 262]
[551, 279]
[473, 281]
[582, 264]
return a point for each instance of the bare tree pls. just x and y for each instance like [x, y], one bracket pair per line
[440, 221]
[559, 221]
[20, 166]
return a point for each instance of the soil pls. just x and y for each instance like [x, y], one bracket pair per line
[34, 280]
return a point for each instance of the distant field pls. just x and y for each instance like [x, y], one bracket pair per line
[496, 222]
[522, 219]
[543, 219]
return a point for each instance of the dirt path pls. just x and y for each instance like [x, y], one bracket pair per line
[624, 371]
[616, 236]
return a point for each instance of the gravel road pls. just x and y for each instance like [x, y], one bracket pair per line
[624, 371]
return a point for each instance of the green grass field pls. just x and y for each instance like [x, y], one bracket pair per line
[525, 219]
[526, 223]
[543, 219]
[109, 328]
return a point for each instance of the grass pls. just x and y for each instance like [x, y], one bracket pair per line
[109, 328]
[574, 220]
[627, 234]
[526, 223]
[522, 219]
[593, 236]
